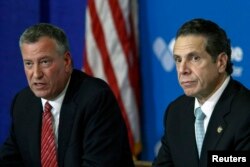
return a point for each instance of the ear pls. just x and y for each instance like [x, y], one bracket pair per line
[68, 61]
[222, 62]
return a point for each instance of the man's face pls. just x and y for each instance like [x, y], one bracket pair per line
[47, 70]
[198, 74]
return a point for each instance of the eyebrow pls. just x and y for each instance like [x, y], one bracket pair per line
[189, 54]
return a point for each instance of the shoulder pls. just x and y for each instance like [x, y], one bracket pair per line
[238, 92]
[180, 107]
[84, 86]
[79, 78]
[236, 101]
[181, 102]
[24, 103]
[238, 86]
[25, 96]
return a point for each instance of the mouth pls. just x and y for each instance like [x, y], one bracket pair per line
[39, 85]
[187, 84]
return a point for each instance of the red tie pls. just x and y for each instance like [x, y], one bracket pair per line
[48, 146]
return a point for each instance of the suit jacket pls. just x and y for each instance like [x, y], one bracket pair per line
[91, 128]
[231, 113]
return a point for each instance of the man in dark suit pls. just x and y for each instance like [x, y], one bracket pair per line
[87, 125]
[202, 53]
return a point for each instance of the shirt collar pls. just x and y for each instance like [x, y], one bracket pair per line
[57, 102]
[209, 105]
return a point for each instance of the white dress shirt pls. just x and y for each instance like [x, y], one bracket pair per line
[56, 108]
[209, 105]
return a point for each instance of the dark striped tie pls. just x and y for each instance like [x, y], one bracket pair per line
[48, 146]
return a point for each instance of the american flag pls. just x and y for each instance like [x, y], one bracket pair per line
[111, 54]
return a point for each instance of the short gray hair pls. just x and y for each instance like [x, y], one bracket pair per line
[35, 32]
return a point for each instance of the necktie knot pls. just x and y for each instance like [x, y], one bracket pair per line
[199, 114]
[47, 107]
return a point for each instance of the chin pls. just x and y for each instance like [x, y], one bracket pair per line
[40, 95]
[190, 94]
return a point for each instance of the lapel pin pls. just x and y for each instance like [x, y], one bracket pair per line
[219, 129]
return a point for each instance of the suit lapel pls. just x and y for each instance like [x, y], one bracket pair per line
[217, 124]
[216, 127]
[65, 128]
[34, 110]
[67, 115]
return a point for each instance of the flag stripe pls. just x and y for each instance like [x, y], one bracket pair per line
[109, 54]
[114, 49]
[86, 66]
[125, 39]
[100, 41]
[95, 60]
[118, 60]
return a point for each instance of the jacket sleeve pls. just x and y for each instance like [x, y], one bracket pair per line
[9, 153]
[164, 157]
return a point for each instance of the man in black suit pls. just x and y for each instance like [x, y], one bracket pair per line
[87, 123]
[202, 53]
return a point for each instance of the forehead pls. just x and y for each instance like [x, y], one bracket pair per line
[44, 47]
[42, 44]
[189, 43]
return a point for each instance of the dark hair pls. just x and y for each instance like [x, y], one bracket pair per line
[35, 32]
[217, 40]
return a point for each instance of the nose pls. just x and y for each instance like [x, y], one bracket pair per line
[37, 73]
[183, 67]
